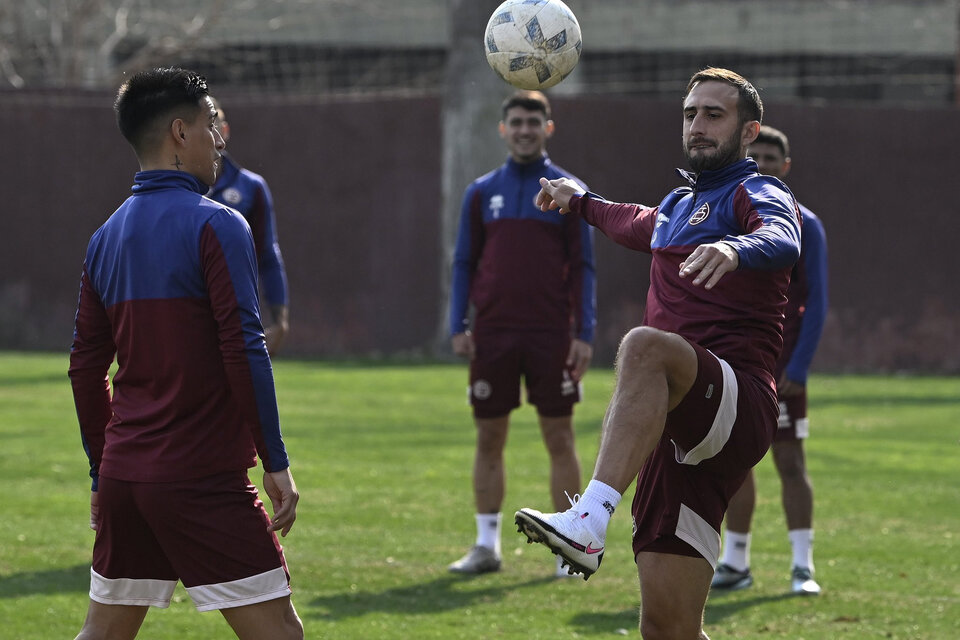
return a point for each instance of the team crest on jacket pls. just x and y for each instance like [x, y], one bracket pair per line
[232, 196]
[700, 214]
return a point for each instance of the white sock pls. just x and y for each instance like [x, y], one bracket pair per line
[599, 501]
[488, 530]
[736, 550]
[802, 542]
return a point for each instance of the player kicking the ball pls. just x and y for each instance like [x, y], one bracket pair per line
[694, 407]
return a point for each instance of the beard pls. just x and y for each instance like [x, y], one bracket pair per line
[725, 153]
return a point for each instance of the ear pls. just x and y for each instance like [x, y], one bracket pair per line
[786, 167]
[178, 130]
[750, 132]
[550, 128]
[502, 128]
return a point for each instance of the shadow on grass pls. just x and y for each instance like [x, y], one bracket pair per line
[718, 608]
[606, 624]
[723, 605]
[28, 583]
[436, 596]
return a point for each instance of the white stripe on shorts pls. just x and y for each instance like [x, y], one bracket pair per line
[131, 591]
[722, 423]
[238, 593]
[698, 533]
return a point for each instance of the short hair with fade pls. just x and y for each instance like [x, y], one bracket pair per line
[769, 135]
[749, 106]
[529, 100]
[150, 96]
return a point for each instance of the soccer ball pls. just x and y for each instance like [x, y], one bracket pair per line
[533, 44]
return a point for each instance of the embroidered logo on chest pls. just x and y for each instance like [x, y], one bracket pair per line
[700, 214]
[496, 203]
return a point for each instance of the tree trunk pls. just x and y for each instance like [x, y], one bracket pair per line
[471, 146]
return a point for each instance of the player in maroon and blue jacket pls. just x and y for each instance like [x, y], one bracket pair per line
[529, 278]
[695, 404]
[248, 193]
[169, 289]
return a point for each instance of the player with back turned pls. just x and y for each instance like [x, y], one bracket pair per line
[694, 406]
[169, 288]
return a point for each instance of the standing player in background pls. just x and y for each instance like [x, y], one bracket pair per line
[530, 278]
[248, 193]
[805, 314]
[169, 288]
[695, 406]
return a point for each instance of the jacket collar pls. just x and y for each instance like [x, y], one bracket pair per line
[710, 179]
[153, 180]
[537, 165]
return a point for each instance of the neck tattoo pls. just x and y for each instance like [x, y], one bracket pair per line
[177, 163]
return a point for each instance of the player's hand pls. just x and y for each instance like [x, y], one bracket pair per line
[787, 388]
[282, 491]
[578, 360]
[556, 194]
[463, 345]
[94, 509]
[712, 261]
[276, 332]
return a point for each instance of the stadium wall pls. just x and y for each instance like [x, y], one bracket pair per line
[357, 190]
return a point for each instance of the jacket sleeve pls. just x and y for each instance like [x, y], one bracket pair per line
[768, 213]
[814, 257]
[582, 278]
[91, 355]
[466, 254]
[229, 265]
[263, 225]
[629, 225]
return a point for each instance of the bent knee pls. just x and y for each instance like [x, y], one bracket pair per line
[653, 349]
[645, 342]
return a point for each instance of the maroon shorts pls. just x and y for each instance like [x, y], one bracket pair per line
[720, 430]
[793, 423]
[209, 533]
[538, 356]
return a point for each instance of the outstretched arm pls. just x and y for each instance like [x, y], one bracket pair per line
[556, 194]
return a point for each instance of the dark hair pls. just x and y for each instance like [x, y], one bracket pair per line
[151, 95]
[769, 135]
[749, 106]
[529, 100]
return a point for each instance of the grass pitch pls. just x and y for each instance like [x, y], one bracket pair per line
[383, 455]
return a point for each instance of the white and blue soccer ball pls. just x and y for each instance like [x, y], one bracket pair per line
[533, 44]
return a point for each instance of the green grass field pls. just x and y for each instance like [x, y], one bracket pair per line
[383, 455]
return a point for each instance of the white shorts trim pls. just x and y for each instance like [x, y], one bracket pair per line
[722, 423]
[270, 585]
[698, 533]
[131, 591]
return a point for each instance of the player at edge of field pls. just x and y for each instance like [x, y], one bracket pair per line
[805, 316]
[530, 280]
[694, 405]
[169, 289]
[248, 193]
